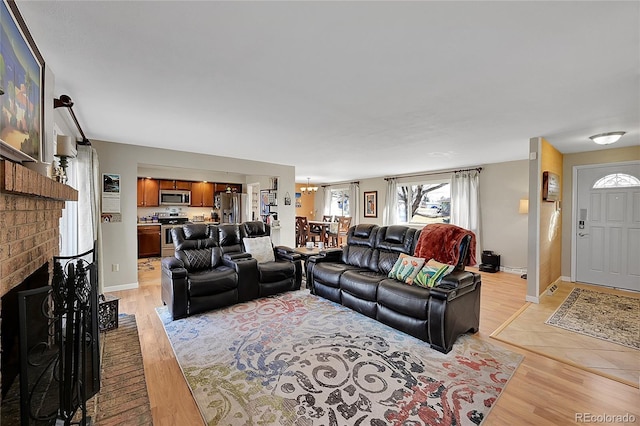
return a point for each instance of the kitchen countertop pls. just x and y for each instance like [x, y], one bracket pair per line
[149, 224]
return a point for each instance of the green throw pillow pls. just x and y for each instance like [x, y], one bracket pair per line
[431, 274]
[406, 268]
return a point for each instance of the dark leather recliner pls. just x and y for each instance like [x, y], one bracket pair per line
[211, 268]
[356, 276]
[200, 278]
[283, 274]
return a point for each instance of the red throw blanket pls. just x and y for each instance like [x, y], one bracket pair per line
[441, 241]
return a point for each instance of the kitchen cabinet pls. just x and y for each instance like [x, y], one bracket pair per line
[202, 194]
[222, 187]
[149, 240]
[148, 192]
[175, 184]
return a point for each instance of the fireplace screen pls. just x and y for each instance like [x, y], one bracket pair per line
[59, 344]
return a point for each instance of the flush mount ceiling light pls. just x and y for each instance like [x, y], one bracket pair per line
[606, 138]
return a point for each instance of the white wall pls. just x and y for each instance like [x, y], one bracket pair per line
[504, 230]
[120, 239]
[502, 185]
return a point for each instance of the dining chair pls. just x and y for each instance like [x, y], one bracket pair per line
[302, 230]
[341, 230]
[313, 232]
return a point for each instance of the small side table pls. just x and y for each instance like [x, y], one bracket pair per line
[107, 312]
[306, 254]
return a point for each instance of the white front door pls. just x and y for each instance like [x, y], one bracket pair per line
[608, 226]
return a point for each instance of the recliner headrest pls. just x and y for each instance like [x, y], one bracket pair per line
[395, 234]
[196, 231]
[229, 234]
[363, 230]
[396, 238]
[198, 237]
[256, 228]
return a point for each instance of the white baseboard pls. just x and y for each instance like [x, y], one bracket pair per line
[513, 270]
[532, 299]
[108, 289]
[565, 279]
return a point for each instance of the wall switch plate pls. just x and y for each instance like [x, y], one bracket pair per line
[115, 267]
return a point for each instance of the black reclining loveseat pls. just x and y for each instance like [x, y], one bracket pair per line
[356, 276]
[211, 268]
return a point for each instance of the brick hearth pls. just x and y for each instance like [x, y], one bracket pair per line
[30, 209]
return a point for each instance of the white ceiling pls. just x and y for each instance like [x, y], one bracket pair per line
[346, 90]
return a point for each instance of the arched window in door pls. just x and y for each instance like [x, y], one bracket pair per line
[616, 180]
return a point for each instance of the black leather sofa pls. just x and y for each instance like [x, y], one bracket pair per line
[356, 276]
[211, 269]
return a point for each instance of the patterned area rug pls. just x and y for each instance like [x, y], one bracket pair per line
[602, 315]
[297, 359]
[149, 263]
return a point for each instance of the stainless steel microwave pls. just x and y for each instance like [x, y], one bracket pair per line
[170, 197]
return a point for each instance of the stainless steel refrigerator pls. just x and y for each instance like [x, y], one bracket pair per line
[232, 207]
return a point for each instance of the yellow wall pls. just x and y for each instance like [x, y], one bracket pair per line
[550, 221]
[307, 204]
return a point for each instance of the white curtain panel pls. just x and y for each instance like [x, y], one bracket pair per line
[89, 194]
[69, 219]
[465, 203]
[354, 202]
[390, 213]
[326, 210]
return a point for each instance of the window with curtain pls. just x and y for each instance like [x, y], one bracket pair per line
[340, 202]
[424, 202]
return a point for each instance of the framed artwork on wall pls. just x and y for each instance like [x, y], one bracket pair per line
[550, 186]
[21, 80]
[371, 204]
[265, 202]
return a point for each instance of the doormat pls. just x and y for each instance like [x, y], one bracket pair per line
[609, 317]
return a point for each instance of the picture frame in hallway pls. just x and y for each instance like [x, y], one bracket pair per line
[21, 103]
[371, 204]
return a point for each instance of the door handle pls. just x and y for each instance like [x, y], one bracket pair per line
[582, 234]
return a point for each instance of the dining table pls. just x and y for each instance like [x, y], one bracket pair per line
[325, 229]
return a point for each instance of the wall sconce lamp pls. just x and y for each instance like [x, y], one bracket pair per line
[606, 138]
[65, 149]
[523, 208]
[309, 188]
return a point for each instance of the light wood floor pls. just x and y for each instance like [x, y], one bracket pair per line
[542, 391]
[529, 331]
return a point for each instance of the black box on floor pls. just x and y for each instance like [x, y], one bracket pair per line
[490, 262]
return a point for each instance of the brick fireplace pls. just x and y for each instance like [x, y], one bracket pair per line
[30, 209]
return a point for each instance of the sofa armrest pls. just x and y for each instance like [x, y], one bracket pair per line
[171, 263]
[247, 270]
[454, 285]
[286, 253]
[236, 256]
[174, 287]
[283, 249]
[173, 268]
[331, 255]
[454, 309]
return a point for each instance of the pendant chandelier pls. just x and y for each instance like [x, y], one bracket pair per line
[309, 188]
